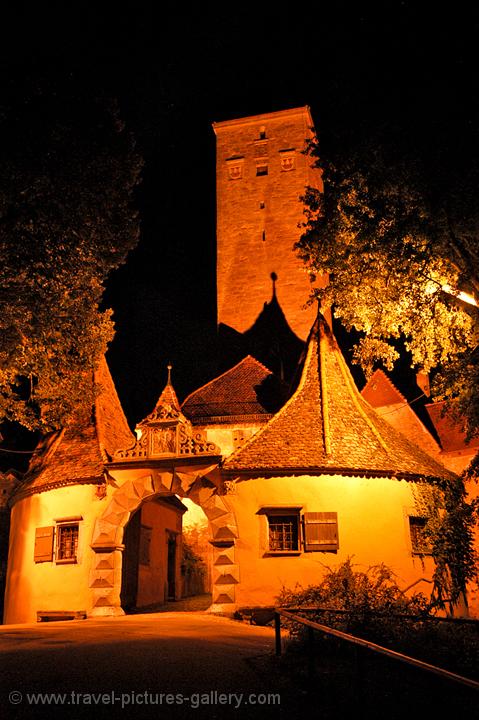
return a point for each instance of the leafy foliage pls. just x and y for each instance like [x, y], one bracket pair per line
[361, 593]
[398, 251]
[375, 608]
[67, 177]
[452, 517]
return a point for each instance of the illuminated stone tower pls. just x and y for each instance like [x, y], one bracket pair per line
[260, 175]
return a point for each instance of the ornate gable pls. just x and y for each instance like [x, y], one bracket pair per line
[167, 433]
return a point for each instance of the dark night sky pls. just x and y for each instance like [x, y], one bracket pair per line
[405, 65]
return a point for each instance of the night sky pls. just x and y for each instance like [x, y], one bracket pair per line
[408, 68]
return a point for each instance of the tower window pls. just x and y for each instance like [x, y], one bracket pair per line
[262, 133]
[261, 205]
[67, 543]
[261, 169]
[264, 235]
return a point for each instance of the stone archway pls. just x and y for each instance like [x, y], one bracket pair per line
[142, 485]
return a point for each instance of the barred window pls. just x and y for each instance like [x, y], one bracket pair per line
[283, 532]
[67, 543]
[419, 541]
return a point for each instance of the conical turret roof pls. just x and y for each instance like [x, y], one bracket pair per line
[78, 453]
[327, 427]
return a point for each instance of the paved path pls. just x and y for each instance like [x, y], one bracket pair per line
[170, 665]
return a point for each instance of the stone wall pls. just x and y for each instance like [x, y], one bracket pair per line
[261, 174]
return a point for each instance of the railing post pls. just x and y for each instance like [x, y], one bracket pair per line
[277, 632]
[311, 655]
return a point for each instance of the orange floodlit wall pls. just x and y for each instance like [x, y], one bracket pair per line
[54, 587]
[372, 521]
[260, 175]
[47, 586]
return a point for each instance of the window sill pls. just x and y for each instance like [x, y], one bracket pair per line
[69, 561]
[282, 553]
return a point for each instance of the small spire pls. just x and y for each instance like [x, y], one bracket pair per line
[169, 367]
[274, 277]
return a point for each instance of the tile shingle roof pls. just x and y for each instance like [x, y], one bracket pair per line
[326, 426]
[380, 390]
[78, 453]
[232, 394]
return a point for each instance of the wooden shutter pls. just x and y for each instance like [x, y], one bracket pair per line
[43, 544]
[320, 531]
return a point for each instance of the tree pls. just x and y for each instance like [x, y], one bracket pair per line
[399, 243]
[68, 172]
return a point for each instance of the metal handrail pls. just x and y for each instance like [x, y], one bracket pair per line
[367, 644]
[406, 616]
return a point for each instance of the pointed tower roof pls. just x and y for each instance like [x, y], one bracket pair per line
[78, 453]
[327, 427]
[167, 406]
[233, 394]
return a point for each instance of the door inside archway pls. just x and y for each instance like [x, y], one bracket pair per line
[151, 567]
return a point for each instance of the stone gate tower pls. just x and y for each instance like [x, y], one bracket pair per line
[260, 175]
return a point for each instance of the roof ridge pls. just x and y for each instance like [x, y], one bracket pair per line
[100, 434]
[356, 397]
[223, 374]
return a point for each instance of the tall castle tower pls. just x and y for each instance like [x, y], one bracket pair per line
[260, 175]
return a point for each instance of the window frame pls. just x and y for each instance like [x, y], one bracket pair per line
[59, 528]
[418, 548]
[272, 511]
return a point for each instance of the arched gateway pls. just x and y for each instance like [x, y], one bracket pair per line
[168, 458]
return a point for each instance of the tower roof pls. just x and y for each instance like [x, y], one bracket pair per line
[234, 393]
[78, 453]
[167, 406]
[327, 427]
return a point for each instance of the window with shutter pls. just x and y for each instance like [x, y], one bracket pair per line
[43, 551]
[320, 531]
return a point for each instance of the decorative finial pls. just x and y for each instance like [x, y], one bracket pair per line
[274, 277]
[170, 367]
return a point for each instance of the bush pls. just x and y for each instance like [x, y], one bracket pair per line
[362, 594]
[370, 602]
